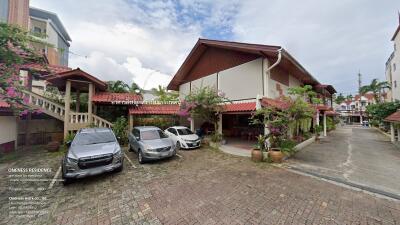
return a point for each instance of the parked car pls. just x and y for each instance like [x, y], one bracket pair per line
[92, 151]
[151, 143]
[183, 137]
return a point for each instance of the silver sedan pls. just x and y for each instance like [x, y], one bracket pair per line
[151, 143]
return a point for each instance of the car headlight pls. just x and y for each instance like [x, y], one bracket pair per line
[118, 153]
[71, 160]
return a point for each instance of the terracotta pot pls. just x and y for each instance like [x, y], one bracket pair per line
[276, 155]
[256, 155]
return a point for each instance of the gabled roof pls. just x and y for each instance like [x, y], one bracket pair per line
[327, 87]
[116, 98]
[45, 69]
[395, 117]
[256, 50]
[43, 14]
[59, 80]
[155, 109]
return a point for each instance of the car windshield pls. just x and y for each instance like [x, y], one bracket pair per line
[93, 138]
[184, 131]
[153, 134]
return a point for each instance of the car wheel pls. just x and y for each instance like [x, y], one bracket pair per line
[119, 169]
[130, 148]
[66, 181]
[178, 145]
[140, 157]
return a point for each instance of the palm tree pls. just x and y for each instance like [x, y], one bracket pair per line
[164, 95]
[376, 88]
[135, 88]
[117, 86]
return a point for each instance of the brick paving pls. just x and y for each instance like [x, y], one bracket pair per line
[203, 187]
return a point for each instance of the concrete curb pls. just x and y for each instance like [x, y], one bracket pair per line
[384, 133]
[342, 181]
[304, 144]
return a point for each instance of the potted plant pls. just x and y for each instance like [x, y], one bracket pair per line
[318, 129]
[257, 153]
[277, 133]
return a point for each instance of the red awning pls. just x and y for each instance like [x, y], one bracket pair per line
[395, 117]
[279, 104]
[117, 98]
[331, 113]
[155, 109]
[240, 107]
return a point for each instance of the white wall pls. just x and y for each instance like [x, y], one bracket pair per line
[210, 81]
[184, 89]
[396, 72]
[243, 81]
[8, 129]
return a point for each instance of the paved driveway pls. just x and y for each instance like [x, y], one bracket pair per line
[362, 156]
[202, 187]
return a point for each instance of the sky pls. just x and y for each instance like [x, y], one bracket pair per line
[147, 41]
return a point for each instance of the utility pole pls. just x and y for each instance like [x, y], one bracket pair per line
[359, 82]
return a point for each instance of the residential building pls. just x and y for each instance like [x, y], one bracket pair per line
[251, 76]
[354, 110]
[393, 67]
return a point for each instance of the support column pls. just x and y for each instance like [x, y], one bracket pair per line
[266, 76]
[78, 100]
[361, 119]
[324, 124]
[317, 119]
[392, 138]
[192, 124]
[398, 134]
[220, 124]
[67, 101]
[90, 108]
[130, 123]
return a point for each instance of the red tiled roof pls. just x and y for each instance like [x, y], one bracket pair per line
[4, 104]
[395, 117]
[331, 113]
[51, 69]
[269, 102]
[240, 107]
[116, 98]
[323, 108]
[154, 109]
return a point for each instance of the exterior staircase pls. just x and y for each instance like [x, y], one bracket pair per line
[74, 120]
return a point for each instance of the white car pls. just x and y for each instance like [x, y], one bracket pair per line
[183, 137]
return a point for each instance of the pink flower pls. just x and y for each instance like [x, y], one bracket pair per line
[26, 99]
[189, 119]
[11, 92]
[25, 112]
[221, 94]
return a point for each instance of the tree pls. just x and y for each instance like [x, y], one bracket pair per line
[15, 50]
[349, 97]
[305, 92]
[164, 95]
[205, 103]
[117, 86]
[376, 88]
[378, 112]
[135, 88]
[339, 99]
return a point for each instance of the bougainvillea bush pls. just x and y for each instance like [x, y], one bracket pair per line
[205, 103]
[15, 51]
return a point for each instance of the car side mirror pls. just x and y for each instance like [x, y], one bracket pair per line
[68, 143]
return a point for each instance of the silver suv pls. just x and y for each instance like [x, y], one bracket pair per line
[93, 151]
[151, 143]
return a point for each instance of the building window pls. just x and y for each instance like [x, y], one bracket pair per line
[37, 30]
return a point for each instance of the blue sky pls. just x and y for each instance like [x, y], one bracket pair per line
[132, 40]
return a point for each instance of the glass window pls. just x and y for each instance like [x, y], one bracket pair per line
[172, 130]
[93, 138]
[184, 131]
[153, 135]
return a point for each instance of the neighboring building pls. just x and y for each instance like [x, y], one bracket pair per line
[393, 67]
[354, 110]
[243, 72]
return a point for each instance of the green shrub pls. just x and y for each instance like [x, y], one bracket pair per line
[70, 137]
[120, 128]
[287, 146]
